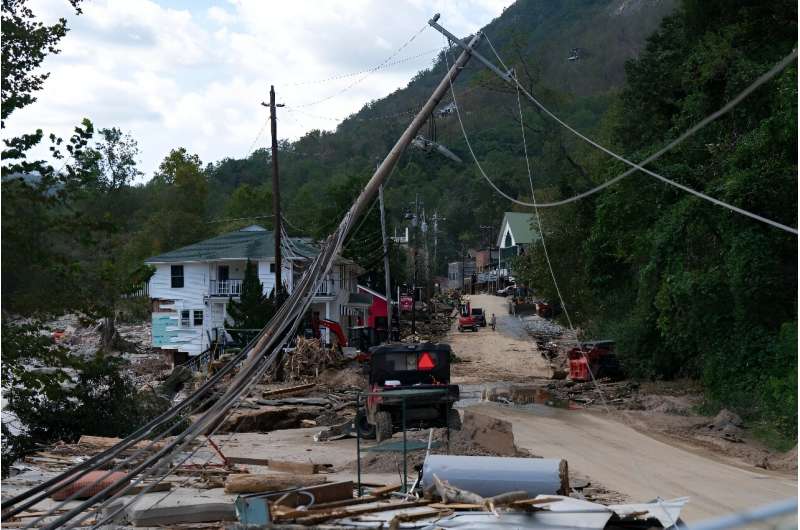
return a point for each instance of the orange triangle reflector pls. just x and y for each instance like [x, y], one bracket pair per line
[425, 362]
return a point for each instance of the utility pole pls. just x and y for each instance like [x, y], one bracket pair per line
[276, 191]
[389, 307]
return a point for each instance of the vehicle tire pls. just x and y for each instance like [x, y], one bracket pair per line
[383, 426]
[453, 419]
[365, 428]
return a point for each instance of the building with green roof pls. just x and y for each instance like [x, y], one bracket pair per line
[517, 233]
[192, 286]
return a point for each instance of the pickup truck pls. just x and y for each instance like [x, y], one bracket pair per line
[418, 374]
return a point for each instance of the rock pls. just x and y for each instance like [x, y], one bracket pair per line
[724, 420]
[488, 433]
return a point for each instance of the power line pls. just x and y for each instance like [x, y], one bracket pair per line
[367, 70]
[777, 68]
[367, 74]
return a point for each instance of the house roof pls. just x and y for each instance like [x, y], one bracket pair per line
[252, 242]
[372, 292]
[520, 225]
[359, 299]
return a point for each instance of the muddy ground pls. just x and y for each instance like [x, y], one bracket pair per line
[641, 441]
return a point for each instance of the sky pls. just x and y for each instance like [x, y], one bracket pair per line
[194, 73]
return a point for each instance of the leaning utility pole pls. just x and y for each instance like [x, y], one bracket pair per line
[276, 193]
[389, 312]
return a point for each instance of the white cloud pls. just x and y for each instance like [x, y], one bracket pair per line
[196, 77]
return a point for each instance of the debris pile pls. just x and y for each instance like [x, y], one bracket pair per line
[444, 502]
[431, 329]
[602, 391]
[307, 359]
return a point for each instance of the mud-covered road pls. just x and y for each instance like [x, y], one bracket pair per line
[600, 445]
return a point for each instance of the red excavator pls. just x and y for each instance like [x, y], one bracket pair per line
[598, 357]
[335, 328]
[465, 318]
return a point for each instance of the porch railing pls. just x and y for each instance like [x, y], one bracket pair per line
[325, 289]
[226, 287]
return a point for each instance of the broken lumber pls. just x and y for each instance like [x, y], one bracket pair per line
[407, 517]
[318, 517]
[103, 442]
[380, 492]
[288, 390]
[301, 468]
[252, 483]
[285, 466]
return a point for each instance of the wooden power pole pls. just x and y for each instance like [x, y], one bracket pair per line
[387, 278]
[276, 193]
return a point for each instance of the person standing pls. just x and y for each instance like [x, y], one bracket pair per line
[493, 322]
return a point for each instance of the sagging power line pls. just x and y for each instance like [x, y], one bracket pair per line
[512, 79]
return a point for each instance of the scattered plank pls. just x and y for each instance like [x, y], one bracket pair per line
[103, 442]
[301, 468]
[314, 517]
[288, 390]
[254, 483]
[385, 490]
[161, 486]
[461, 506]
[248, 461]
[405, 517]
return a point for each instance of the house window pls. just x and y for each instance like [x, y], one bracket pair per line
[198, 317]
[272, 268]
[177, 276]
[509, 243]
[185, 319]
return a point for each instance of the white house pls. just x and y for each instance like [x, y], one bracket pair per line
[191, 286]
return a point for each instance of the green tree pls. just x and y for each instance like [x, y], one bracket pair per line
[54, 395]
[254, 308]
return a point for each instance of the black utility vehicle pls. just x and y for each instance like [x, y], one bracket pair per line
[418, 374]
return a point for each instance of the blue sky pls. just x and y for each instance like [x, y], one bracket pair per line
[193, 73]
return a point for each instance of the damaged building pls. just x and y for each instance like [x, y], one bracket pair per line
[192, 287]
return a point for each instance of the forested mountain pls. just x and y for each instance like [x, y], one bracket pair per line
[537, 37]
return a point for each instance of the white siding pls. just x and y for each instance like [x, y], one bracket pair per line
[190, 339]
[267, 278]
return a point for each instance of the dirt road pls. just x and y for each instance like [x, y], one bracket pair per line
[506, 354]
[602, 447]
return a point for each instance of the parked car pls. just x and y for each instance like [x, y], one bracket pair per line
[507, 290]
[479, 316]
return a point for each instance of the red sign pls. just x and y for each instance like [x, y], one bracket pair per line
[406, 303]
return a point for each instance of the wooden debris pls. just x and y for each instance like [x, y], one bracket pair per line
[301, 468]
[248, 461]
[315, 516]
[394, 524]
[103, 442]
[252, 483]
[284, 466]
[288, 390]
[385, 490]
[450, 493]
[161, 486]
